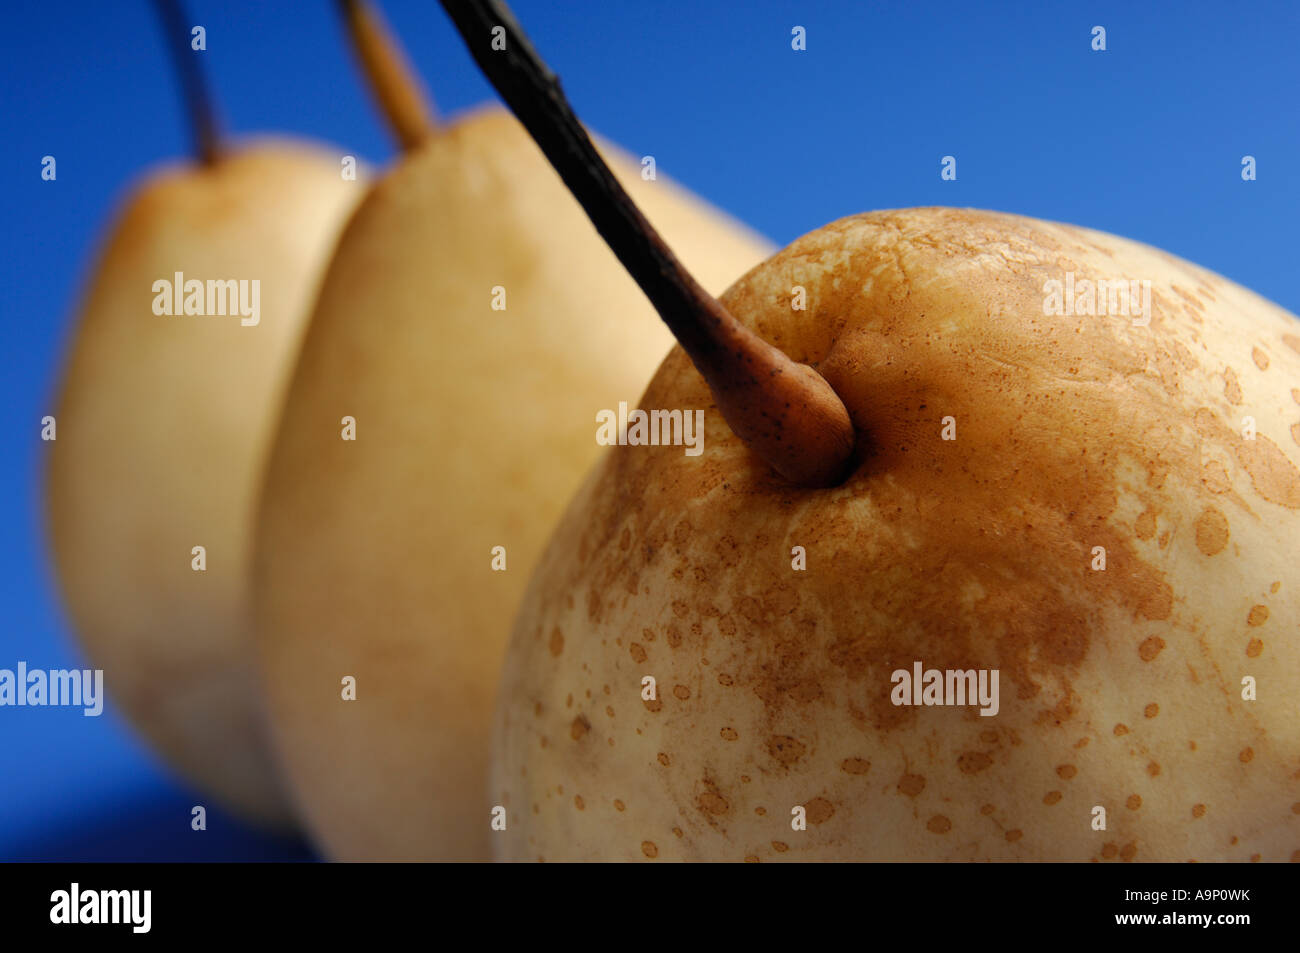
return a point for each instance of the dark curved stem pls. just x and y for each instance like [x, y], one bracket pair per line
[198, 103]
[785, 412]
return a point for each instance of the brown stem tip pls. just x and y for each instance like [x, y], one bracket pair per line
[396, 87]
[203, 122]
[784, 411]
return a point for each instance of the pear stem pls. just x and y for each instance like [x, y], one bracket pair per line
[394, 84]
[785, 412]
[198, 102]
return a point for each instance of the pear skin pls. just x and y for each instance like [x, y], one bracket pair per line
[1104, 512]
[473, 427]
[163, 427]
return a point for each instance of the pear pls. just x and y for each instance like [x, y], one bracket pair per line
[470, 328]
[1101, 508]
[163, 424]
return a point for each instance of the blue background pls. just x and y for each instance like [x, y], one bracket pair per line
[1144, 140]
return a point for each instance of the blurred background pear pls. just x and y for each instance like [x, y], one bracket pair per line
[472, 323]
[163, 424]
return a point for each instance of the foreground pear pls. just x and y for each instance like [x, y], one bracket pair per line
[163, 421]
[469, 330]
[1101, 508]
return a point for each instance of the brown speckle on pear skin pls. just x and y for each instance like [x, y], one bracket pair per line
[819, 810]
[1211, 531]
[786, 750]
[579, 727]
[938, 824]
[911, 784]
[1274, 477]
[1231, 387]
[1150, 647]
[713, 803]
[972, 762]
